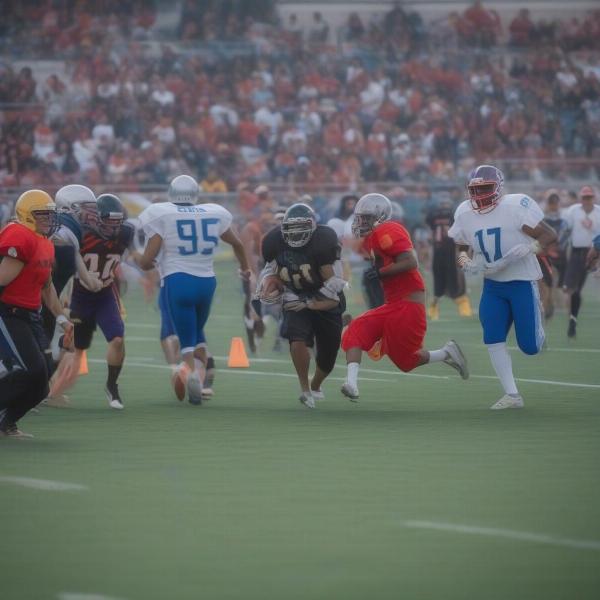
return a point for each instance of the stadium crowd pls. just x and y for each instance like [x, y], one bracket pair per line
[237, 96]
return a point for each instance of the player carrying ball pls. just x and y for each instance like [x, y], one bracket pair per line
[400, 324]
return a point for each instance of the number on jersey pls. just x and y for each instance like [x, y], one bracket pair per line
[187, 231]
[485, 244]
[104, 271]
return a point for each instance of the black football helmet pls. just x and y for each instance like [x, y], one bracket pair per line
[298, 225]
[110, 216]
[485, 187]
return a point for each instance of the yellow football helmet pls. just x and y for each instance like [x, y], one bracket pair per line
[36, 210]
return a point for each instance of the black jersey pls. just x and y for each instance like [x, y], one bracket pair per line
[440, 220]
[299, 268]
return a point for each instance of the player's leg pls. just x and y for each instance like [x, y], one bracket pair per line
[527, 313]
[496, 319]
[574, 281]
[328, 335]
[297, 328]
[109, 320]
[438, 268]
[23, 372]
[361, 335]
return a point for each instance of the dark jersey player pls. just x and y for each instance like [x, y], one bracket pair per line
[102, 249]
[448, 279]
[302, 259]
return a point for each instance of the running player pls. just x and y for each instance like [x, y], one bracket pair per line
[303, 259]
[400, 323]
[182, 238]
[26, 258]
[102, 250]
[505, 232]
[583, 220]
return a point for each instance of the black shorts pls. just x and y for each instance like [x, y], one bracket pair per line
[448, 279]
[322, 327]
[559, 266]
[546, 271]
[576, 269]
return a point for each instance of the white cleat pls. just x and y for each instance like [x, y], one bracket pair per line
[194, 387]
[307, 399]
[116, 404]
[318, 394]
[207, 393]
[114, 400]
[350, 391]
[456, 359]
[508, 402]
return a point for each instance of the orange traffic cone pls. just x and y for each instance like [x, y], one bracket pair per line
[83, 365]
[237, 354]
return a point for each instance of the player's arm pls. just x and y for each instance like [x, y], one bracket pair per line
[229, 237]
[9, 270]
[405, 261]
[54, 305]
[542, 233]
[90, 281]
[146, 261]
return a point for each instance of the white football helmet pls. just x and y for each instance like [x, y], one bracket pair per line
[370, 211]
[77, 200]
[184, 190]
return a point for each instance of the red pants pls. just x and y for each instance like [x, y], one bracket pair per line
[401, 327]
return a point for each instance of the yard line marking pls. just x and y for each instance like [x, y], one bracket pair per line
[238, 371]
[375, 371]
[83, 596]
[545, 382]
[523, 536]
[44, 484]
[550, 349]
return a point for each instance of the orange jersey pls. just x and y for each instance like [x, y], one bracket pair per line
[383, 244]
[37, 254]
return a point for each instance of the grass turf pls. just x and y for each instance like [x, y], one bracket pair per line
[254, 496]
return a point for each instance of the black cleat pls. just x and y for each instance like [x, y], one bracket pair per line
[572, 331]
[113, 397]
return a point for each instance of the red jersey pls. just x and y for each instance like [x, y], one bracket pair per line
[384, 243]
[102, 256]
[37, 253]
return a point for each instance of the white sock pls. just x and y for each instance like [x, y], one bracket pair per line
[437, 355]
[352, 377]
[502, 364]
[174, 368]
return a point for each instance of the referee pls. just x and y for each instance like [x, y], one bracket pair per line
[583, 220]
[26, 258]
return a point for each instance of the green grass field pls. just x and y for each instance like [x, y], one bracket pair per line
[417, 492]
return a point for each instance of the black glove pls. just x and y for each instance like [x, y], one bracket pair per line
[372, 273]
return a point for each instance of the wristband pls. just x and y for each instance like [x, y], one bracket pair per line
[61, 319]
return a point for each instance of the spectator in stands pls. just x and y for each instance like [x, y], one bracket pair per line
[213, 183]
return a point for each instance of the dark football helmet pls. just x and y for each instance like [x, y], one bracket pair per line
[485, 187]
[110, 216]
[298, 225]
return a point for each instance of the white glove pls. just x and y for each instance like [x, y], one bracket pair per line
[467, 265]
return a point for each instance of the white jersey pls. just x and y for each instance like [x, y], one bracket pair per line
[493, 234]
[584, 226]
[190, 234]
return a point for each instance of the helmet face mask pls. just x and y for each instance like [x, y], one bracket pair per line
[298, 225]
[371, 210]
[78, 201]
[485, 187]
[46, 221]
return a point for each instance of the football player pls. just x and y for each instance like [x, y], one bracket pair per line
[448, 279]
[76, 206]
[504, 233]
[26, 258]
[182, 237]
[583, 220]
[302, 260]
[102, 249]
[400, 323]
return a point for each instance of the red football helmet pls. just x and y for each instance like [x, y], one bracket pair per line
[485, 187]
